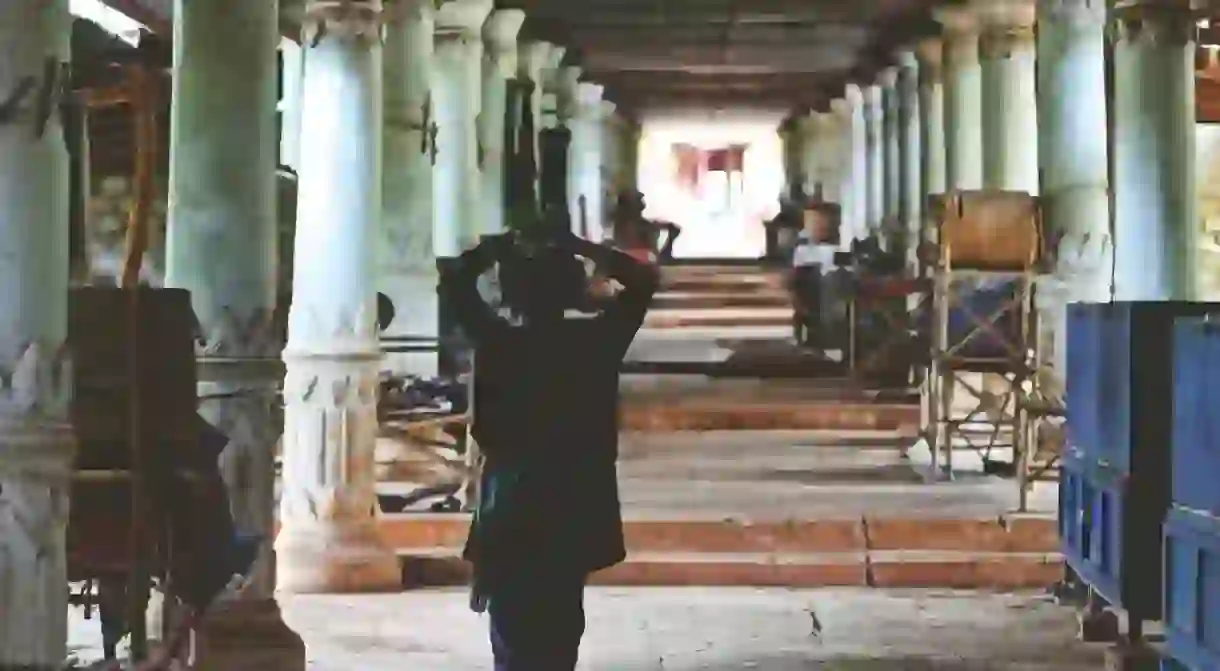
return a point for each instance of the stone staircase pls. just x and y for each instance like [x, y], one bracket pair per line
[731, 475]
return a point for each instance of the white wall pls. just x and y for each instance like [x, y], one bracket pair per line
[709, 229]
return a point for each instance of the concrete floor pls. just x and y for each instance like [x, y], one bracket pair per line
[713, 629]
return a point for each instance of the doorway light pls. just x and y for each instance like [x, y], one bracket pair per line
[108, 19]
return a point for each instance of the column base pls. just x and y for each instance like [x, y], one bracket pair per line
[248, 635]
[335, 560]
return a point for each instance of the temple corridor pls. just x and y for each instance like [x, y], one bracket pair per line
[923, 383]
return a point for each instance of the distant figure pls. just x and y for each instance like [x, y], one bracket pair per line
[546, 393]
[638, 235]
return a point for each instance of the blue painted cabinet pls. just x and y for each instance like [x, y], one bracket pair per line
[1192, 589]
[1196, 415]
[1116, 478]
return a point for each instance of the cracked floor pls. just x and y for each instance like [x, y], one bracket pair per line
[711, 629]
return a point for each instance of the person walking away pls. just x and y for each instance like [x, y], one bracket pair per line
[546, 392]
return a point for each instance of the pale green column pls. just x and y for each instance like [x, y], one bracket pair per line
[584, 160]
[910, 152]
[808, 151]
[499, 65]
[1074, 156]
[856, 193]
[36, 439]
[567, 112]
[838, 160]
[874, 116]
[328, 540]
[1155, 213]
[1010, 109]
[963, 100]
[222, 247]
[890, 139]
[532, 59]
[931, 116]
[456, 93]
[293, 74]
[406, 261]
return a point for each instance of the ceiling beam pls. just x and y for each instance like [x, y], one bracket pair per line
[740, 60]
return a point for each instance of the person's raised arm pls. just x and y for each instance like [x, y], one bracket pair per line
[640, 280]
[461, 288]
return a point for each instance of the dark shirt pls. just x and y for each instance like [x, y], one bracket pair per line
[546, 419]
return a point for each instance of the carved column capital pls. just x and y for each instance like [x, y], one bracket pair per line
[931, 55]
[841, 107]
[500, 35]
[345, 19]
[1164, 22]
[1073, 12]
[567, 93]
[961, 38]
[853, 94]
[532, 57]
[1007, 27]
[463, 17]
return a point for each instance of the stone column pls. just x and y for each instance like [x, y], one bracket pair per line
[456, 93]
[838, 157]
[36, 442]
[809, 151]
[931, 117]
[630, 154]
[888, 80]
[874, 116]
[963, 100]
[532, 58]
[293, 64]
[1073, 153]
[1154, 142]
[552, 79]
[499, 65]
[567, 107]
[856, 192]
[612, 154]
[1010, 108]
[328, 540]
[406, 262]
[586, 159]
[222, 247]
[910, 154]
[607, 169]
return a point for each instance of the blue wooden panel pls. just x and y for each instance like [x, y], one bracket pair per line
[1196, 434]
[1114, 386]
[1192, 588]
[1083, 378]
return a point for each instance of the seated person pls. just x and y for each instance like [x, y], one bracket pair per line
[638, 235]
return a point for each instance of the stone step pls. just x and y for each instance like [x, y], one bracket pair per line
[683, 300]
[1013, 534]
[975, 554]
[671, 319]
[739, 415]
[980, 571]
[736, 284]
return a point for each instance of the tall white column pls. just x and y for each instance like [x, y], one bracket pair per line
[567, 107]
[963, 100]
[857, 191]
[584, 159]
[1154, 142]
[457, 91]
[931, 117]
[803, 129]
[1074, 151]
[888, 80]
[36, 441]
[1010, 108]
[406, 261]
[1074, 155]
[874, 115]
[612, 155]
[607, 170]
[552, 80]
[222, 247]
[499, 65]
[328, 540]
[293, 59]
[532, 59]
[838, 160]
[910, 152]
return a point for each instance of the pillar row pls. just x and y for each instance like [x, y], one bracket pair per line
[1010, 108]
[856, 190]
[532, 58]
[222, 247]
[406, 260]
[499, 65]
[457, 91]
[585, 160]
[890, 140]
[931, 116]
[910, 184]
[963, 100]
[36, 440]
[1154, 142]
[874, 116]
[328, 540]
[838, 161]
